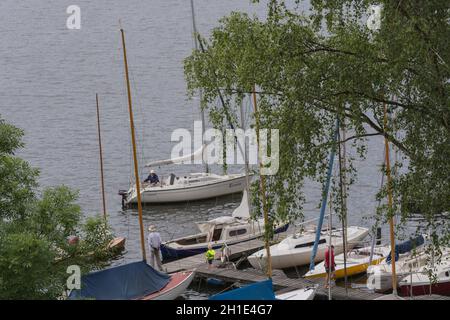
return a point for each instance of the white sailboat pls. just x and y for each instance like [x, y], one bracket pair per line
[296, 250]
[380, 276]
[419, 283]
[238, 227]
[188, 187]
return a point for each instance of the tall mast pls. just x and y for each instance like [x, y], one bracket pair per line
[133, 141]
[389, 190]
[323, 206]
[101, 158]
[263, 188]
[343, 194]
[194, 27]
[244, 151]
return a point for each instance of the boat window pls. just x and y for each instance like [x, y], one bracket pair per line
[237, 232]
[309, 244]
[447, 274]
[216, 235]
[193, 240]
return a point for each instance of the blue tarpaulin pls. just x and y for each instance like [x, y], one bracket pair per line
[405, 247]
[256, 291]
[129, 281]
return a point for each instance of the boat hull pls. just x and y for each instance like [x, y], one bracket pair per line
[352, 270]
[299, 294]
[190, 193]
[170, 254]
[440, 288]
[290, 258]
[179, 282]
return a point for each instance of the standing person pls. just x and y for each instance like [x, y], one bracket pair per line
[154, 244]
[329, 265]
[210, 255]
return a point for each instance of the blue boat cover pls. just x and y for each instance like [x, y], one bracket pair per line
[256, 291]
[405, 247]
[129, 281]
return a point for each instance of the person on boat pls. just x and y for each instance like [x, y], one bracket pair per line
[330, 265]
[154, 244]
[210, 254]
[152, 178]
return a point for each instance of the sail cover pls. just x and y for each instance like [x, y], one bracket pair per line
[129, 281]
[256, 291]
[190, 158]
[406, 247]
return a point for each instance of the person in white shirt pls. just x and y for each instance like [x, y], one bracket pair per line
[154, 244]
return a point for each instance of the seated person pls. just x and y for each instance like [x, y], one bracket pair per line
[152, 178]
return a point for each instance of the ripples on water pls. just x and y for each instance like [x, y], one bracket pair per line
[48, 83]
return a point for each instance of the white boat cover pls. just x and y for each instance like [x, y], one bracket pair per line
[190, 158]
[207, 226]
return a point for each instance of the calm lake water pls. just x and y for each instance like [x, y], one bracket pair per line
[48, 83]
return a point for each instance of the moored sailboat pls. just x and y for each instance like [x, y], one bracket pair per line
[296, 250]
[358, 260]
[428, 279]
[238, 227]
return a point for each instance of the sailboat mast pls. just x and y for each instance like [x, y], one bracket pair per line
[343, 191]
[390, 203]
[194, 27]
[263, 188]
[244, 151]
[133, 141]
[101, 158]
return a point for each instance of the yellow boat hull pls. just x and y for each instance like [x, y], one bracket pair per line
[351, 270]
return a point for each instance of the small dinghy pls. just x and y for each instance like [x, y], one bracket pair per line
[358, 260]
[132, 281]
[296, 250]
[226, 230]
[419, 283]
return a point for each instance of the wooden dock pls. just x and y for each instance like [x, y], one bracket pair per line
[239, 250]
[280, 281]
[283, 283]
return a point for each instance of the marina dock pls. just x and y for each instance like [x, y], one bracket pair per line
[281, 282]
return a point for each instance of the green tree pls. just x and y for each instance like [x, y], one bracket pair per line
[34, 229]
[310, 69]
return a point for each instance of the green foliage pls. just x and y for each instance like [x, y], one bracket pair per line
[34, 230]
[311, 69]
